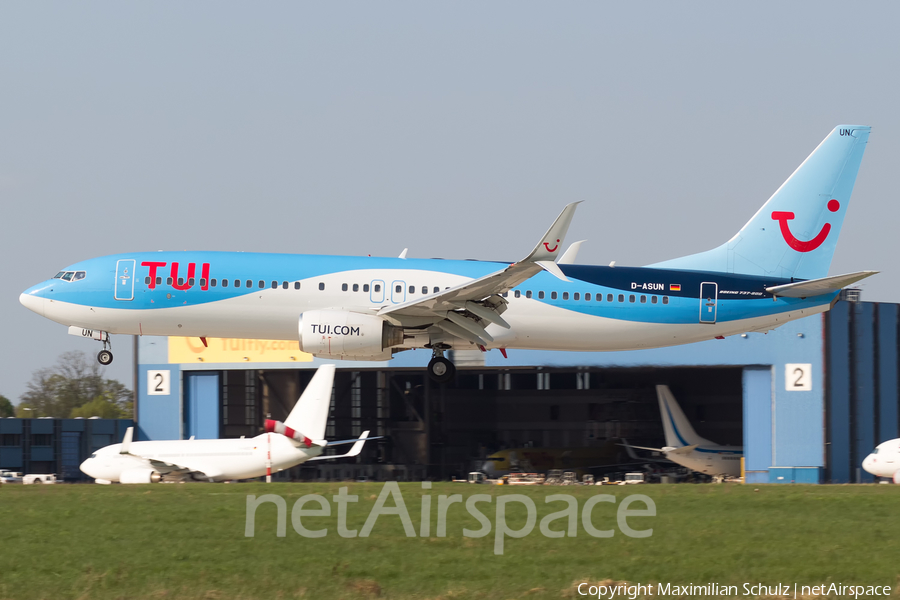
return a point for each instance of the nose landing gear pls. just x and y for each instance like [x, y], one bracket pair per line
[105, 356]
[440, 369]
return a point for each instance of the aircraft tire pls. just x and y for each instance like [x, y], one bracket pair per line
[105, 357]
[441, 370]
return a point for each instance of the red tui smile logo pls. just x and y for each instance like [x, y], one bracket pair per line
[554, 248]
[800, 245]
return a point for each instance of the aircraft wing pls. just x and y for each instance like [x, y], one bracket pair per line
[815, 287]
[468, 295]
[161, 467]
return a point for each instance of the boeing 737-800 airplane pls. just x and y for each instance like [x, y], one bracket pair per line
[772, 271]
[284, 445]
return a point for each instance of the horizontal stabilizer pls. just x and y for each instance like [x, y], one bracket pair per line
[354, 451]
[682, 450]
[817, 287]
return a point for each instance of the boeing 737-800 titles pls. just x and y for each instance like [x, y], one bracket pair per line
[772, 271]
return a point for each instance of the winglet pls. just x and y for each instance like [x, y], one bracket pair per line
[569, 256]
[126, 441]
[548, 247]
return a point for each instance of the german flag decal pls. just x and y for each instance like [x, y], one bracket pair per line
[674, 287]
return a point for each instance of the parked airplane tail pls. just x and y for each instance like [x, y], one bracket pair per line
[795, 233]
[678, 429]
[310, 414]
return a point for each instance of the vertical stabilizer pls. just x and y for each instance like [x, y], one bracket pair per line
[310, 414]
[678, 429]
[795, 233]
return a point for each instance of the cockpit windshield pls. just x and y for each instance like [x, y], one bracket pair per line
[70, 275]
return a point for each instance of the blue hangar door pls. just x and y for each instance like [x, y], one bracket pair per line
[201, 405]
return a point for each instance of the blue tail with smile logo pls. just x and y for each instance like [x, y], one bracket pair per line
[795, 233]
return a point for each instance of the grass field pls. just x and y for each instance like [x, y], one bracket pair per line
[188, 541]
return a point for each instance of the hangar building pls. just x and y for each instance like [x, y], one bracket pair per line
[807, 401]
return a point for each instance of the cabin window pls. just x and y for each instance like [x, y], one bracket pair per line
[665, 299]
[191, 281]
[653, 299]
[249, 284]
[224, 283]
[213, 282]
[274, 285]
[587, 296]
[541, 295]
[609, 298]
[296, 285]
[566, 296]
[202, 282]
[517, 294]
[260, 284]
[343, 287]
[621, 298]
[181, 281]
[147, 280]
[643, 299]
[284, 285]
[159, 280]
[237, 283]
[377, 287]
[577, 296]
[553, 295]
[365, 287]
[424, 289]
[528, 294]
[398, 288]
[355, 287]
[436, 290]
[412, 289]
[631, 297]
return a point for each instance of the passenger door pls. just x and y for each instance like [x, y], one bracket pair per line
[708, 300]
[125, 279]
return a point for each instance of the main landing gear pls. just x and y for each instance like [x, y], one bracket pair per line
[440, 369]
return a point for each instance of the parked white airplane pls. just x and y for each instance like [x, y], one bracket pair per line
[884, 461]
[685, 447]
[774, 270]
[282, 446]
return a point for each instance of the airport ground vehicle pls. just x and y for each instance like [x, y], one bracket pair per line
[38, 479]
[10, 477]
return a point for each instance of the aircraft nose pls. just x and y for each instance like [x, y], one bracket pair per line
[32, 301]
[867, 464]
[87, 467]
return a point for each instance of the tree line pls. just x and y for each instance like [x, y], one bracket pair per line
[73, 387]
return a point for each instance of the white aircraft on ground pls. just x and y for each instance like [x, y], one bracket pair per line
[284, 445]
[685, 447]
[884, 461]
[774, 270]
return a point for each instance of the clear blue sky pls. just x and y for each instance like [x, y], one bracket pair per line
[455, 129]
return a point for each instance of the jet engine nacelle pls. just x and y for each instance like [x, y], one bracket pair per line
[273, 426]
[139, 476]
[335, 333]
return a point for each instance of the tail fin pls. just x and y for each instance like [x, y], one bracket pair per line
[678, 429]
[310, 414]
[795, 233]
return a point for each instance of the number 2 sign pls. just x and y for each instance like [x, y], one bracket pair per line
[158, 383]
[798, 377]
